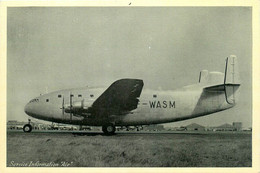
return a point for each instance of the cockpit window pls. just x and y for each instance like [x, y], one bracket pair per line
[59, 96]
[34, 100]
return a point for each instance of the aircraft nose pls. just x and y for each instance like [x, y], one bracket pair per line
[28, 109]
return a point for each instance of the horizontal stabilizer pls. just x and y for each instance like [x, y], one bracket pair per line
[215, 88]
[219, 88]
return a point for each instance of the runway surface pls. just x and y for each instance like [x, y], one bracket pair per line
[129, 149]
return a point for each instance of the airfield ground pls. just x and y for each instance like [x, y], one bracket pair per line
[90, 149]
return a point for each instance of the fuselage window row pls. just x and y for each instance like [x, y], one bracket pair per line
[80, 95]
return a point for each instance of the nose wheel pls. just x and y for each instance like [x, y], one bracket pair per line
[27, 128]
[109, 129]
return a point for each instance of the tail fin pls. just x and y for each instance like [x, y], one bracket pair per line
[231, 79]
[203, 78]
[231, 71]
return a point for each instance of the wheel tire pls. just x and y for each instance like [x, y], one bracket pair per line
[109, 129]
[27, 128]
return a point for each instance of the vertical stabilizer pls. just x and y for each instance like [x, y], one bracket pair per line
[203, 78]
[231, 79]
[231, 71]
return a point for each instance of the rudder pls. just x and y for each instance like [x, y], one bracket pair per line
[231, 79]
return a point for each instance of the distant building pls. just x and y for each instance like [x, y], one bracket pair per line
[153, 127]
[195, 127]
[14, 125]
[182, 128]
[96, 128]
[224, 127]
[85, 127]
[237, 126]
[247, 129]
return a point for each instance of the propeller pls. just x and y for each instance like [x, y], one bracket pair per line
[62, 106]
[63, 109]
[70, 107]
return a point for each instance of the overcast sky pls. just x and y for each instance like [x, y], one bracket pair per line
[167, 47]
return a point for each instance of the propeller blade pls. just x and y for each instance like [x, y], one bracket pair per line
[70, 107]
[63, 105]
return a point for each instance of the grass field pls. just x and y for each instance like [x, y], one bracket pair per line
[214, 149]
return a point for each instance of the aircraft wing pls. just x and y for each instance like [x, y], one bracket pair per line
[121, 97]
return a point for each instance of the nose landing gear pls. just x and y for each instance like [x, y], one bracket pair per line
[27, 127]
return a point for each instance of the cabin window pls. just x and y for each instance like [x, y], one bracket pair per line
[79, 95]
[91, 95]
[47, 100]
[154, 96]
[59, 96]
[71, 95]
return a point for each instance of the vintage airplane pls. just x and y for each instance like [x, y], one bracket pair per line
[125, 103]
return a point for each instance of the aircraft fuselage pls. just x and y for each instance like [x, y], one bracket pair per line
[153, 107]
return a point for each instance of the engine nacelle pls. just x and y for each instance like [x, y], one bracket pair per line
[76, 107]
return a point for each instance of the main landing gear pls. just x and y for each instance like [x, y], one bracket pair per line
[27, 127]
[109, 129]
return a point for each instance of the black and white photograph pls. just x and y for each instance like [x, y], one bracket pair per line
[129, 86]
